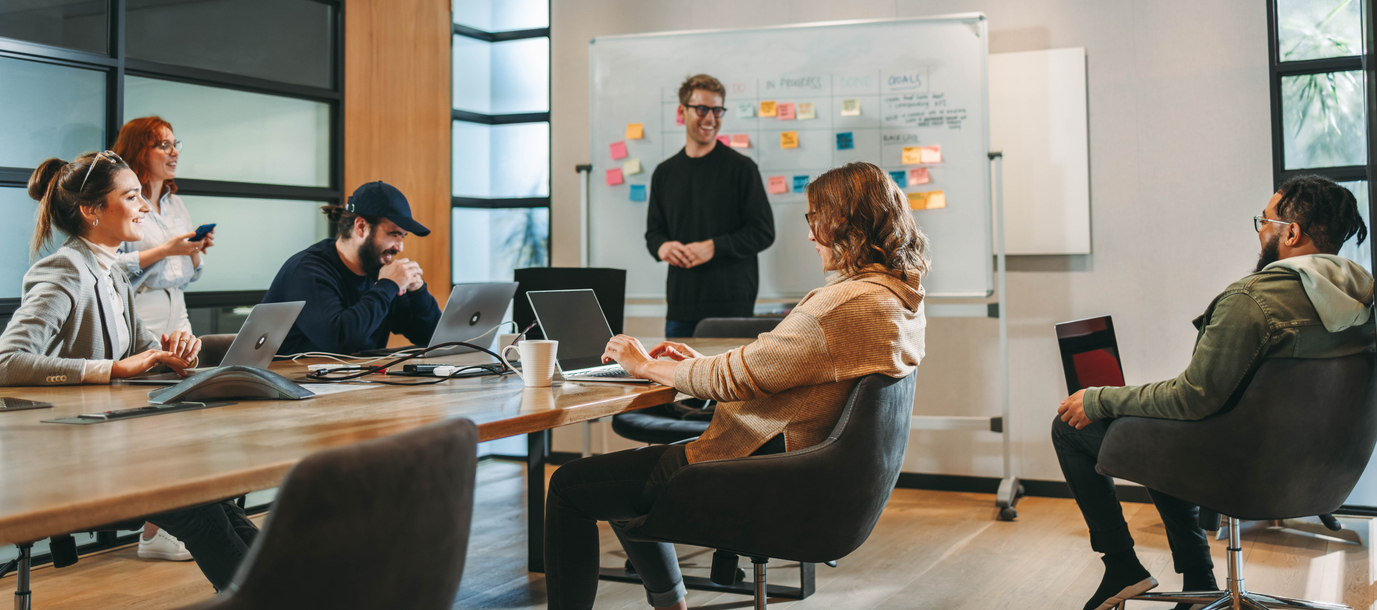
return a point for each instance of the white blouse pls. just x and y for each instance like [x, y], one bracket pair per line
[168, 219]
[98, 371]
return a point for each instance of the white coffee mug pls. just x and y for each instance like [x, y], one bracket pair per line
[505, 339]
[537, 361]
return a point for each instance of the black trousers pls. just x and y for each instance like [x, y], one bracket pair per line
[217, 535]
[1079, 452]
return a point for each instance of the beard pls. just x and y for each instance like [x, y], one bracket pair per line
[1270, 253]
[371, 256]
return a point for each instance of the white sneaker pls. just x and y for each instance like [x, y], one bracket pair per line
[163, 546]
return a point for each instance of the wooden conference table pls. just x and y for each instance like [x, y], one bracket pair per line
[62, 478]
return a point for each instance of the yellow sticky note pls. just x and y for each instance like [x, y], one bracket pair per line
[769, 108]
[851, 107]
[788, 139]
[930, 200]
[635, 131]
[912, 155]
[806, 111]
[931, 154]
[631, 167]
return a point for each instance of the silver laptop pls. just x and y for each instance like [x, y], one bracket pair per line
[575, 319]
[472, 310]
[254, 345]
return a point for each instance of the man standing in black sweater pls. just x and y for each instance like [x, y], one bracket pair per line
[708, 217]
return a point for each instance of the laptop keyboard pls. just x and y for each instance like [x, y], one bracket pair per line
[614, 370]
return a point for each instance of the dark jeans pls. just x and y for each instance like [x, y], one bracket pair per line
[217, 535]
[679, 329]
[1079, 451]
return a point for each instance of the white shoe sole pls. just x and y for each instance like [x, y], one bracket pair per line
[145, 553]
[1128, 592]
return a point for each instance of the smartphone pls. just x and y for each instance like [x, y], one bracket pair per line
[20, 404]
[202, 231]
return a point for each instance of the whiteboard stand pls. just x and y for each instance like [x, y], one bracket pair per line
[585, 170]
[1010, 490]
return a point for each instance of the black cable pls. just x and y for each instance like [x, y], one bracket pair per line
[322, 375]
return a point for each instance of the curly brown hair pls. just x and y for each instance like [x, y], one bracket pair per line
[860, 214]
[136, 137]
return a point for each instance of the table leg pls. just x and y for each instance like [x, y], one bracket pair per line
[536, 452]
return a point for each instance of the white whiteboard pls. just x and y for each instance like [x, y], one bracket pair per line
[918, 81]
[1038, 119]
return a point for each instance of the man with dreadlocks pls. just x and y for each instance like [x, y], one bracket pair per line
[1302, 301]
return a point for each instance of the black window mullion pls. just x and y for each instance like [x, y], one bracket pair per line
[30, 51]
[1348, 173]
[499, 119]
[477, 34]
[499, 203]
[114, 90]
[1274, 86]
[1319, 66]
[225, 80]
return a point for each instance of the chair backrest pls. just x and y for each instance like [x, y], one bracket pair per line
[379, 524]
[734, 328]
[1295, 444]
[214, 348]
[815, 504]
[608, 284]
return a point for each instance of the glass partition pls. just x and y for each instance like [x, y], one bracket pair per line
[75, 24]
[253, 238]
[49, 111]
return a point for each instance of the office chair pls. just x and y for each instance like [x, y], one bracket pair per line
[1295, 445]
[378, 524]
[608, 284]
[214, 348]
[813, 505]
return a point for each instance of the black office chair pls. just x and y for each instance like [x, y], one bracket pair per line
[214, 348]
[1294, 446]
[608, 284]
[814, 505]
[379, 524]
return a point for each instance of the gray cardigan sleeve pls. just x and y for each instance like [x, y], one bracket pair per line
[39, 319]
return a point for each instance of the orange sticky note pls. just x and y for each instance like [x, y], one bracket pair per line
[635, 131]
[741, 140]
[778, 185]
[768, 108]
[785, 111]
[931, 154]
[918, 175]
[614, 176]
[618, 150]
[788, 139]
[930, 200]
[807, 111]
[912, 155]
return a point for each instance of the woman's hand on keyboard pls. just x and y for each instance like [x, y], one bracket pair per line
[628, 352]
[677, 352]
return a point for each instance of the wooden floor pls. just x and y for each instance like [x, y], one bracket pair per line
[936, 550]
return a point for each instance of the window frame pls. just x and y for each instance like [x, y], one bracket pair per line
[116, 66]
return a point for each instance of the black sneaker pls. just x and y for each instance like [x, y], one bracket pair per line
[1123, 578]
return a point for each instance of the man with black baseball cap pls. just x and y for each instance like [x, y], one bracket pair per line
[357, 291]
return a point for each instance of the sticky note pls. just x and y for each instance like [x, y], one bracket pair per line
[800, 184]
[678, 118]
[851, 108]
[768, 108]
[631, 167]
[912, 155]
[614, 176]
[745, 110]
[807, 111]
[635, 131]
[930, 200]
[618, 150]
[638, 192]
[919, 175]
[900, 178]
[725, 139]
[778, 185]
[931, 154]
[845, 141]
[785, 111]
[788, 139]
[741, 140]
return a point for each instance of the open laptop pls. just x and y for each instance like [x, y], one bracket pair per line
[574, 318]
[472, 309]
[1089, 354]
[254, 345]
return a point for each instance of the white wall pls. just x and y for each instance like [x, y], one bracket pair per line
[1180, 159]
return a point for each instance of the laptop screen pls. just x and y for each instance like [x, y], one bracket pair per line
[574, 318]
[1089, 354]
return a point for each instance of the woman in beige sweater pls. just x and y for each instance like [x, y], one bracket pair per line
[783, 392]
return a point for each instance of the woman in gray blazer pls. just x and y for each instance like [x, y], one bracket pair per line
[76, 323]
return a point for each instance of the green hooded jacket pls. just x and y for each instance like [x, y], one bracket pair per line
[1310, 306]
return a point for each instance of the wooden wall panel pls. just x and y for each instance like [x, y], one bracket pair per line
[397, 115]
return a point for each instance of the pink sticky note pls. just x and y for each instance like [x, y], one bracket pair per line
[778, 185]
[919, 175]
[678, 118]
[725, 140]
[618, 150]
[931, 154]
[785, 111]
[614, 176]
[741, 140]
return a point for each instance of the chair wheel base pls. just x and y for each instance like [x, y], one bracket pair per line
[1220, 600]
[1008, 513]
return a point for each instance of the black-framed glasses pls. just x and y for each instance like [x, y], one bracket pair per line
[100, 155]
[808, 217]
[167, 145]
[702, 110]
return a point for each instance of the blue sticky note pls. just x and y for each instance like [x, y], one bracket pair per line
[845, 141]
[900, 178]
[638, 192]
[800, 184]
